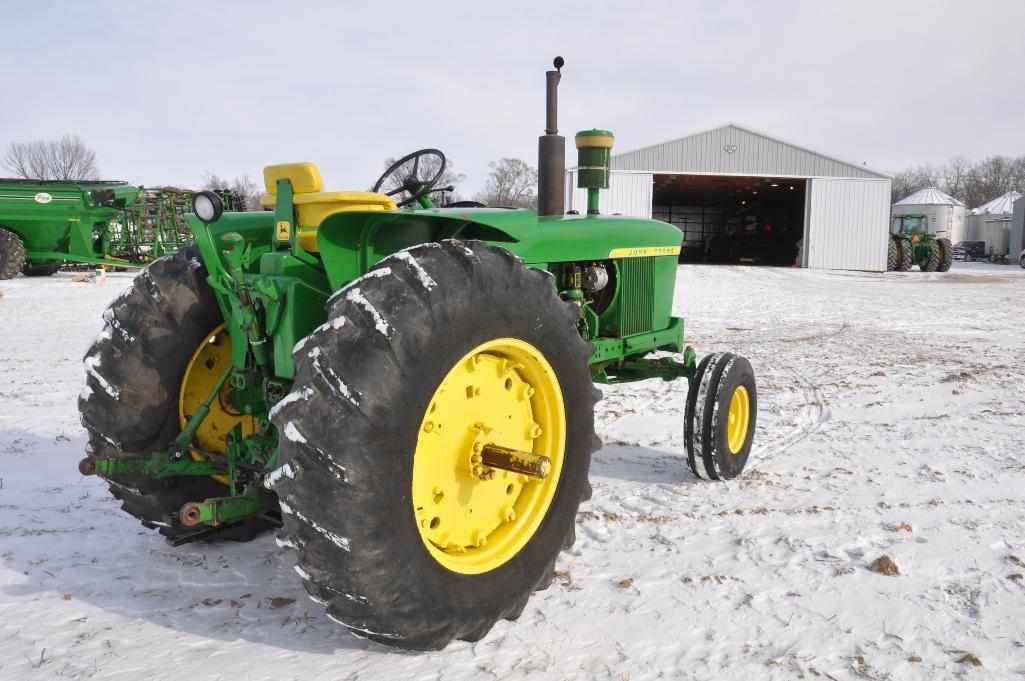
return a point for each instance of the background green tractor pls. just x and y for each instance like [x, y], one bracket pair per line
[911, 243]
[406, 391]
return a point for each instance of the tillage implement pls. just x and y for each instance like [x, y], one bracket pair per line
[404, 392]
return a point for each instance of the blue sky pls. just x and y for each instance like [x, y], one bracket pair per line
[165, 92]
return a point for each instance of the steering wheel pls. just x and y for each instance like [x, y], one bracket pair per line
[414, 174]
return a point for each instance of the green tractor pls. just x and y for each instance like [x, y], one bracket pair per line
[404, 392]
[911, 243]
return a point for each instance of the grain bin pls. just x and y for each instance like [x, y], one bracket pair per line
[991, 222]
[946, 214]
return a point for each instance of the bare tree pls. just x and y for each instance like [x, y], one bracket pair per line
[905, 183]
[67, 158]
[512, 182]
[972, 183]
[242, 186]
[991, 178]
[955, 177]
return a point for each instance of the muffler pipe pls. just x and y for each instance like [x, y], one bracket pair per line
[551, 151]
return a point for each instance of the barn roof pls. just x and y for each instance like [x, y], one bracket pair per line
[737, 150]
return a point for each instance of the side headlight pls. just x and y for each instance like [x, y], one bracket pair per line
[207, 206]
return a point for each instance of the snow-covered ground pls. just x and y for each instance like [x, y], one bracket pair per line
[891, 421]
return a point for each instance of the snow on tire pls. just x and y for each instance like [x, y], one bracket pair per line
[694, 412]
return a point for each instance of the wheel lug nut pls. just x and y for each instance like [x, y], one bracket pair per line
[479, 538]
[508, 514]
[535, 430]
[478, 446]
[429, 426]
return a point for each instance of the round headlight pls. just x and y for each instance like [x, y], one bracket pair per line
[207, 206]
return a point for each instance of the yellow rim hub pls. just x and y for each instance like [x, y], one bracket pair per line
[471, 517]
[739, 419]
[207, 365]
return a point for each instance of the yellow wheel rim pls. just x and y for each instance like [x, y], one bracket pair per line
[201, 375]
[503, 392]
[739, 419]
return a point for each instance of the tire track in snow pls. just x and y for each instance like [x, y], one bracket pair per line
[812, 415]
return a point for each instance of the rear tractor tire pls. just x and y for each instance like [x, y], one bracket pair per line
[12, 254]
[135, 372]
[719, 421]
[946, 257]
[907, 255]
[893, 252]
[932, 262]
[404, 526]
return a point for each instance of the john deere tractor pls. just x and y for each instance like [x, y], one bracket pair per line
[911, 243]
[404, 392]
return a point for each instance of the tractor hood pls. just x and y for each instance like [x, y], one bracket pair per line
[376, 234]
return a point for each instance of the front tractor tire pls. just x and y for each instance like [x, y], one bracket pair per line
[403, 526]
[12, 254]
[134, 376]
[719, 420]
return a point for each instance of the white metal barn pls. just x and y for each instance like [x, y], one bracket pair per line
[742, 196]
[946, 215]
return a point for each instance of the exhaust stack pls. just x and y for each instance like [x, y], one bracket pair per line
[551, 151]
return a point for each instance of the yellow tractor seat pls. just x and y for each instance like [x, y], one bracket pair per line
[312, 206]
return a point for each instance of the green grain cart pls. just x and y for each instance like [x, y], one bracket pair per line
[405, 392]
[46, 223]
[911, 243]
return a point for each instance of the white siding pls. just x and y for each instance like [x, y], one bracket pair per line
[628, 194]
[847, 224]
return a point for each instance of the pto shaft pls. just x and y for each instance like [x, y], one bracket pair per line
[516, 461]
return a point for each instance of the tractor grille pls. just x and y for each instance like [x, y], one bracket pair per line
[636, 285]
